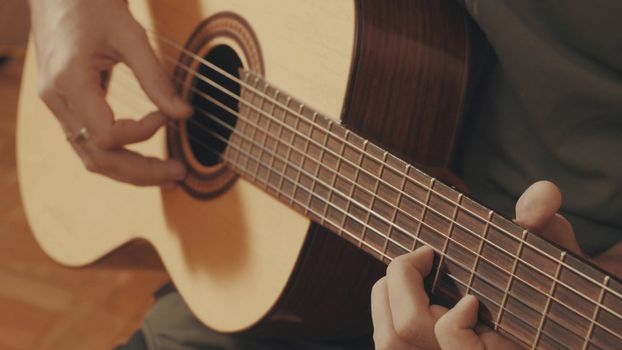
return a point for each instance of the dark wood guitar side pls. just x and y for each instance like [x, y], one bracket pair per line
[411, 66]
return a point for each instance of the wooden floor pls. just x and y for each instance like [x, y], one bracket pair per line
[47, 306]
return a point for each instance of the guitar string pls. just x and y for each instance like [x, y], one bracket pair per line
[210, 65]
[258, 92]
[209, 81]
[561, 303]
[274, 155]
[484, 278]
[244, 170]
[392, 224]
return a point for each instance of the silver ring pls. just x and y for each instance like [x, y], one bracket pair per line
[81, 137]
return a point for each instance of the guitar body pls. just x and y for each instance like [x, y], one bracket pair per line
[395, 72]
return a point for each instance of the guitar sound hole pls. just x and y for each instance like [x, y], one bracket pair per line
[227, 42]
[211, 125]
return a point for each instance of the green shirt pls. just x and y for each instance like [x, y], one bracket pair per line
[551, 109]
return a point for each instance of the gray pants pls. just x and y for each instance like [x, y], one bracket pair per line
[171, 326]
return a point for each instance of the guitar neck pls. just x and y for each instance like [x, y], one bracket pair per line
[529, 289]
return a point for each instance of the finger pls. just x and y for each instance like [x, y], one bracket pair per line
[88, 106]
[137, 53]
[537, 210]
[560, 231]
[538, 205]
[409, 302]
[130, 167]
[454, 330]
[384, 332]
[127, 131]
[93, 110]
[76, 97]
[58, 105]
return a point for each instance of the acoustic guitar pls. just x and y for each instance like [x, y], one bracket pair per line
[317, 125]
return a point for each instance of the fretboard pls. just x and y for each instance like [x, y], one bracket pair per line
[529, 289]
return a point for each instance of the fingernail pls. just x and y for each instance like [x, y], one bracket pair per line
[426, 249]
[467, 300]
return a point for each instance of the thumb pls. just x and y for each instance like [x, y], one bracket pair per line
[537, 209]
[137, 53]
[455, 329]
[537, 206]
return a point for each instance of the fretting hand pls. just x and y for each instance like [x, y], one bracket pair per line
[77, 40]
[401, 311]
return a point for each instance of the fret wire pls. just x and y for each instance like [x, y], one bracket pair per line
[388, 258]
[293, 147]
[394, 215]
[241, 146]
[384, 256]
[226, 91]
[263, 144]
[172, 125]
[279, 135]
[479, 251]
[276, 145]
[470, 231]
[369, 227]
[244, 125]
[351, 192]
[551, 295]
[254, 179]
[424, 211]
[377, 185]
[355, 184]
[601, 296]
[483, 277]
[305, 155]
[510, 312]
[330, 189]
[375, 194]
[446, 244]
[292, 199]
[510, 279]
[316, 173]
[209, 81]
[271, 164]
[338, 164]
[355, 181]
[360, 205]
[247, 125]
[426, 206]
[414, 235]
[228, 149]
